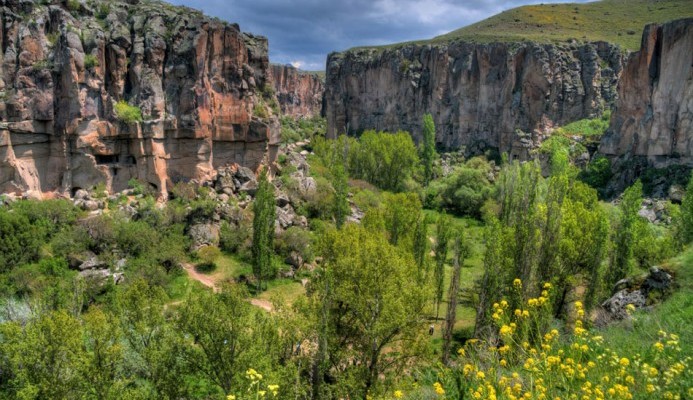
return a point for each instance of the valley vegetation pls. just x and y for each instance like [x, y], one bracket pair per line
[416, 276]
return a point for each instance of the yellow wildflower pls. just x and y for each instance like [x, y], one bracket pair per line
[439, 388]
[398, 394]
[517, 283]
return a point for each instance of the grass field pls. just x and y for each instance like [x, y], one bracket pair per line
[616, 21]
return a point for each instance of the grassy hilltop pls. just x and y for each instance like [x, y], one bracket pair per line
[615, 21]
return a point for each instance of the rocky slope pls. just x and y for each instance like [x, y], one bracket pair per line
[65, 65]
[503, 96]
[653, 119]
[299, 93]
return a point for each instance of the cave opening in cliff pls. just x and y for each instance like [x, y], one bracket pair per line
[106, 159]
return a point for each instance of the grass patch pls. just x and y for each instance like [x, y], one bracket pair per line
[128, 113]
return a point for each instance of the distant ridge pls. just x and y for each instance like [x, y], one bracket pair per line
[616, 21]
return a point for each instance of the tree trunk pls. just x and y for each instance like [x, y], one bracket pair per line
[452, 303]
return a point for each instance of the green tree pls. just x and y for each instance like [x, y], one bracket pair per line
[45, 357]
[519, 194]
[375, 311]
[624, 238]
[103, 369]
[497, 265]
[461, 252]
[263, 230]
[340, 182]
[400, 212]
[226, 334]
[685, 222]
[153, 345]
[420, 247]
[428, 147]
[443, 232]
[384, 159]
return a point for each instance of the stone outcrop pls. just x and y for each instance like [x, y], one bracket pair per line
[653, 118]
[65, 65]
[299, 92]
[500, 95]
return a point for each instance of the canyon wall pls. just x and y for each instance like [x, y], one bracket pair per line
[503, 96]
[653, 118]
[196, 80]
[299, 92]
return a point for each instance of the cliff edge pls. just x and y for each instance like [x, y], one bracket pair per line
[193, 85]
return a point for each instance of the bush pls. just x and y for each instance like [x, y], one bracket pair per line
[90, 61]
[128, 113]
[464, 191]
[297, 240]
[598, 172]
[74, 5]
[236, 238]
[209, 256]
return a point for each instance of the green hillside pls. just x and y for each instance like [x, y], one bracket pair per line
[615, 21]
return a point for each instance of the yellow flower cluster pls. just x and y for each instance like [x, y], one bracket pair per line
[527, 364]
[438, 388]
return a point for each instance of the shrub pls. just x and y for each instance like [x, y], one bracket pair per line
[209, 256]
[74, 5]
[260, 109]
[90, 61]
[128, 113]
[465, 190]
[598, 172]
[298, 240]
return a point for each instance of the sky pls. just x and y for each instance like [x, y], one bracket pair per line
[303, 32]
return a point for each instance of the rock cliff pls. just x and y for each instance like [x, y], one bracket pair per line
[299, 93]
[501, 95]
[653, 118]
[65, 65]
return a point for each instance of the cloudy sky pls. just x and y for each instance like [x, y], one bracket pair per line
[303, 32]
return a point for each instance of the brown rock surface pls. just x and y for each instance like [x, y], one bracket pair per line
[195, 79]
[653, 118]
[299, 92]
[480, 95]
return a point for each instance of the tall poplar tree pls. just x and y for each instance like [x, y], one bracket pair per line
[263, 230]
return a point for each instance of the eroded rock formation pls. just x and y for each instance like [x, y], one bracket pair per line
[195, 79]
[299, 92]
[481, 96]
[653, 118]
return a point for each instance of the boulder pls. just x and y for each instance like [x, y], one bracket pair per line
[249, 187]
[204, 234]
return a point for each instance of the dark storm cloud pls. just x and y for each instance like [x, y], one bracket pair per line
[303, 32]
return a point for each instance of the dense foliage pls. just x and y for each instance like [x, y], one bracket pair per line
[399, 279]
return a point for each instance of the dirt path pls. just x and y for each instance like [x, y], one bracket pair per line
[202, 278]
[264, 304]
[210, 282]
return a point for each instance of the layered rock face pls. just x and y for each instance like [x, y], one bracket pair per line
[195, 79]
[500, 96]
[299, 93]
[653, 118]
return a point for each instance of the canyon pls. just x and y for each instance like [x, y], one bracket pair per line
[208, 97]
[299, 93]
[508, 97]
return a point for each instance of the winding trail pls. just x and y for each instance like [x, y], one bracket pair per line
[202, 278]
[210, 282]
